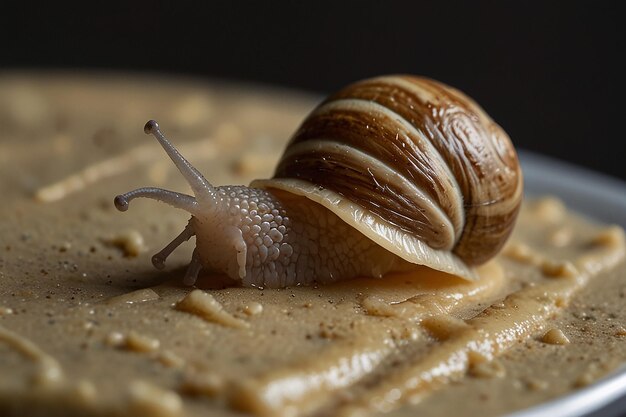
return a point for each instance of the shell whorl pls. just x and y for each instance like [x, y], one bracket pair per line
[420, 156]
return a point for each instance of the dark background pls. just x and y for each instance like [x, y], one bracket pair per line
[550, 73]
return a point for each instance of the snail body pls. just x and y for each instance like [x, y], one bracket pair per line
[385, 174]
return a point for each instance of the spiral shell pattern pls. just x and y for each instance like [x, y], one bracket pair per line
[421, 156]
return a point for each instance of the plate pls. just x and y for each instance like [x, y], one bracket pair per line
[598, 197]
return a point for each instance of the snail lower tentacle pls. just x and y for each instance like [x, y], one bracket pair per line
[193, 269]
[158, 259]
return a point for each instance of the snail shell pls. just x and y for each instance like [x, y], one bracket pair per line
[416, 170]
[414, 165]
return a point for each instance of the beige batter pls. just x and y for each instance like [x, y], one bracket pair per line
[88, 327]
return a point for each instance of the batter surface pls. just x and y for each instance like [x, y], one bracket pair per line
[89, 327]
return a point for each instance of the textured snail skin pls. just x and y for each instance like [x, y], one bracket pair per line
[275, 240]
[385, 174]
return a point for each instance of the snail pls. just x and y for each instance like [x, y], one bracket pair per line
[386, 174]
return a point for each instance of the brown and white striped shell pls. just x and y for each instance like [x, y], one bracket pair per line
[413, 164]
